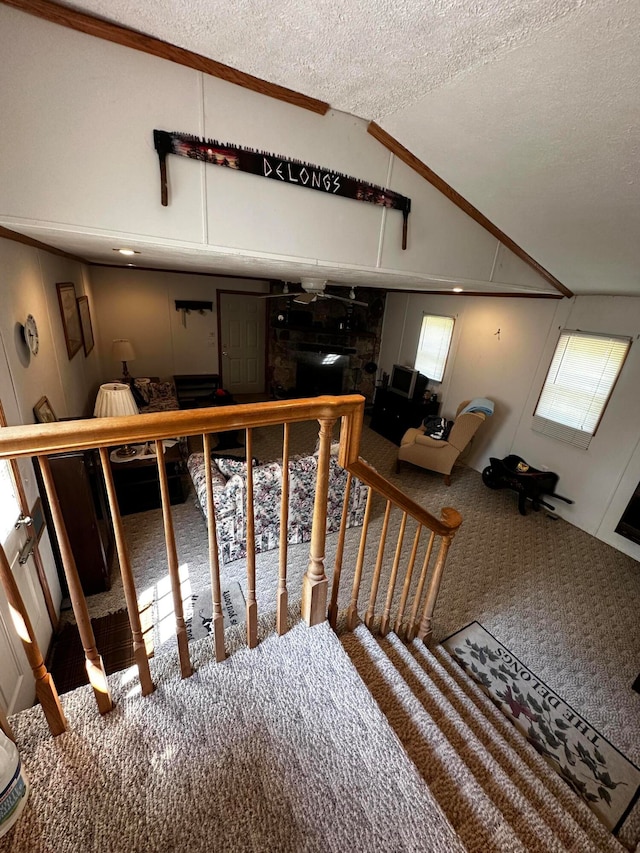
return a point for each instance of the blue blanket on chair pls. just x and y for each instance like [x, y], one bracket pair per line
[479, 404]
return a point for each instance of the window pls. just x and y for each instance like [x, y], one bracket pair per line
[579, 382]
[433, 346]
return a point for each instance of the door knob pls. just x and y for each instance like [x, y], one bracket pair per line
[25, 520]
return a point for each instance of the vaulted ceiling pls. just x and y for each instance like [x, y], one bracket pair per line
[530, 109]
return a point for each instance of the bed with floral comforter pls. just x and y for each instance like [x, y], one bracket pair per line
[229, 496]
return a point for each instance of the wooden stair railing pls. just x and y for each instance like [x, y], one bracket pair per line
[445, 528]
[42, 439]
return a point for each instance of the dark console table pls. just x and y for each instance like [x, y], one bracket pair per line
[138, 485]
[393, 415]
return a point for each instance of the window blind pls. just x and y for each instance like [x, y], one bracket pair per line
[579, 382]
[433, 346]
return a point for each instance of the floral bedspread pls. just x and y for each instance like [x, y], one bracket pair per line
[229, 497]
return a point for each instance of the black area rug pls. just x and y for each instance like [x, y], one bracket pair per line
[598, 772]
[114, 643]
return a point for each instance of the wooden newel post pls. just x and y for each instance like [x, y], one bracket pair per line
[45, 688]
[315, 584]
[425, 632]
[95, 667]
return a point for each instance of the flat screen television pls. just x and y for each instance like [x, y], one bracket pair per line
[407, 382]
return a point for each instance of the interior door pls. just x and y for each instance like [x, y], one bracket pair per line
[17, 687]
[16, 680]
[242, 340]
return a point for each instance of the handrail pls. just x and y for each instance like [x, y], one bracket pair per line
[451, 518]
[41, 440]
[37, 439]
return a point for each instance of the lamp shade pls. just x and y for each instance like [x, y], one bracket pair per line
[114, 399]
[122, 350]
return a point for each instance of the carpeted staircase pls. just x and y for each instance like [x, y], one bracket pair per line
[497, 792]
[308, 742]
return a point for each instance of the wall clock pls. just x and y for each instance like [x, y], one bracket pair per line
[31, 334]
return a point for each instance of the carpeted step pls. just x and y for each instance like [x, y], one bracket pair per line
[490, 724]
[279, 748]
[587, 836]
[423, 700]
[533, 821]
[480, 823]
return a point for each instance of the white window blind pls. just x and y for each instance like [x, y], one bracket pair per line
[579, 382]
[433, 346]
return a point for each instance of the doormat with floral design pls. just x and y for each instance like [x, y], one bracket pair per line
[607, 781]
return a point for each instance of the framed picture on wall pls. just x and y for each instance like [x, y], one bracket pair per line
[70, 317]
[43, 411]
[85, 324]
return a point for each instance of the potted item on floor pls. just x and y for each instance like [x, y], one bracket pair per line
[14, 787]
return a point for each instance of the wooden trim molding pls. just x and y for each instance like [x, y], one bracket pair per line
[8, 234]
[126, 37]
[484, 293]
[424, 171]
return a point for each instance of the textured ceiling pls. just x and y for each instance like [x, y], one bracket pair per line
[529, 108]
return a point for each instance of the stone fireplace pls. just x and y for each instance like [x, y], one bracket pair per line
[319, 372]
[324, 347]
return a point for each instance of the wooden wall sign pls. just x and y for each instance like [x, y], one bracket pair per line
[276, 168]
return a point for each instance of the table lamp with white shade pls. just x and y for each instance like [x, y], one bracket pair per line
[116, 400]
[122, 350]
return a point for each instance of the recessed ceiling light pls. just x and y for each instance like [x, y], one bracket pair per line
[457, 290]
[127, 251]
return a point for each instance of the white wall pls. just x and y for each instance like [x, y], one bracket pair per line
[28, 286]
[84, 110]
[510, 367]
[140, 305]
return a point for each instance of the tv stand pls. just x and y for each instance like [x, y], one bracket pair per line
[393, 414]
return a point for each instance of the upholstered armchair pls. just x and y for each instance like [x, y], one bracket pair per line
[436, 454]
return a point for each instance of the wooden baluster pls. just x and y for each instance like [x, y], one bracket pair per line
[425, 631]
[337, 571]
[172, 563]
[370, 614]
[352, 612]
[453, 519]
[384, 622]
[45, 688]
[214, 559]
[94, 665]
[407, 583]
[315, 583]
[252, 604]
[128, 583]
[283, 596]
[412, 630]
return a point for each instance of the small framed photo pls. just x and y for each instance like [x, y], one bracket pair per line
[70, 317]
[43, 411]
[85, 324]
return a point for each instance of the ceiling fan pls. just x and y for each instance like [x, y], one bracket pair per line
[314, 289]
